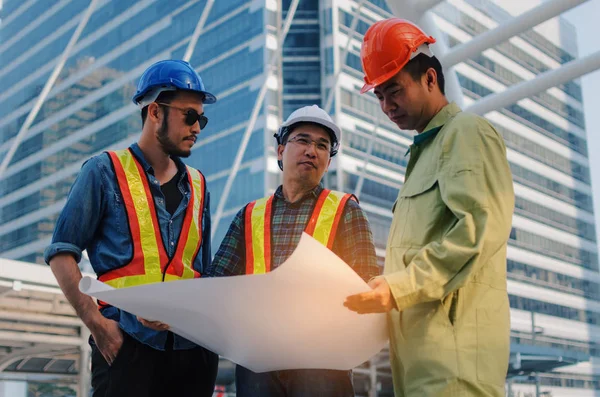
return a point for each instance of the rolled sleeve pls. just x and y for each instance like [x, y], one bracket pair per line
[81, 215]
[62, 248]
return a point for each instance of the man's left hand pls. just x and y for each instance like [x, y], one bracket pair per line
[378, 300]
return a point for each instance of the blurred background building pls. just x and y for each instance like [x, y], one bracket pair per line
[261, 69]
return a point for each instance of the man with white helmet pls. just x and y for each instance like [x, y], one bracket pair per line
[306, 142]
[144, 217]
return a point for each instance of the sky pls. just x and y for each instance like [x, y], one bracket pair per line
[585, 18]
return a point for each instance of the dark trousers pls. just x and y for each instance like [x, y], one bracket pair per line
[293, 383]
[141, 371]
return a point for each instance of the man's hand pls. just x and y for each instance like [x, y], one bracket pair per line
[108, 338]
[106, 333]
[378, 300]
[155, 325]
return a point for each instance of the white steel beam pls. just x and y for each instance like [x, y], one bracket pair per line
[84, 378]
[508, 29]
[29, 377]
[542, 82]
[49, 364]
[333, 88]
[39, 338]
[48, 86]
[23, 362]
[254, 115]
[411, 9]
[199, 27]
[373, 386]
[339, 173]
[361, 178]
[422, 6]
[40, 318]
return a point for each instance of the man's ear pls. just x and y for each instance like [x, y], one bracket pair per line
[154, 113]
[328, 164]
[280, 149]
[431, 78]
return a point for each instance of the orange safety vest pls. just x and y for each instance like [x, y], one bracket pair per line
[322, 226]
[150, 262]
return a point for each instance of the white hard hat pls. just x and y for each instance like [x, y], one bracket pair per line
[311, 114]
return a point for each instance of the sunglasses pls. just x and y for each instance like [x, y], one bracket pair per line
[191, 116]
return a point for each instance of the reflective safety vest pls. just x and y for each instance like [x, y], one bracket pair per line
[150, 262]
[322, 226]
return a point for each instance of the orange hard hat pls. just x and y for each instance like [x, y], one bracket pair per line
[388, 46]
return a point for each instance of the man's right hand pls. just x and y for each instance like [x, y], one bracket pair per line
[108, 338]
[106, 333]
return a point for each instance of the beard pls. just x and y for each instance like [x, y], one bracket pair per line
[167, 144]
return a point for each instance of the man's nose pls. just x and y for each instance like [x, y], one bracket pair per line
[311, 149]
[387, 105]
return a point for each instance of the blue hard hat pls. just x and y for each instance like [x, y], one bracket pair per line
[169, 75]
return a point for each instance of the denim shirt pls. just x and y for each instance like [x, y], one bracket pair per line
[94, 218]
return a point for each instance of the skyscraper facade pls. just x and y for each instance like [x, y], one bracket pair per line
[261, 71]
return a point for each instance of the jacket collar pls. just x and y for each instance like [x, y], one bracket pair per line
[435, 125]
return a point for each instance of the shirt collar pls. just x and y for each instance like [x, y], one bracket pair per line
[312, 193]
[435, 124]
[447, 112]
[135, 148]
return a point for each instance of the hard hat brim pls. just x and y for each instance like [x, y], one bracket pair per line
[209, 98]
[367, 87]
[309, 119]
[145, 98]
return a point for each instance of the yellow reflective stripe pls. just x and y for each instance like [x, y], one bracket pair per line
[172, 277]
[132, 281]
[326, 217]
[148, 238]
[195, 232]
[258, 235]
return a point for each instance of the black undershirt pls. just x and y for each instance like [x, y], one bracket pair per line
[173, 197]
[172, 193]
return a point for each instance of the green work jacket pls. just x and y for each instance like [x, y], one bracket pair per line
[446, 261]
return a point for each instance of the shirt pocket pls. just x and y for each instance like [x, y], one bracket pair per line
[417, 210]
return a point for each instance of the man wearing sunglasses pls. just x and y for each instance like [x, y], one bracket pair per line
[144, 217]
[306, 143]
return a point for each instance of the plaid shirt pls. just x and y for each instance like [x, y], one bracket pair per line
[353, 242]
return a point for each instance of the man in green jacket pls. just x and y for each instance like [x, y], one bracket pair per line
[444, 283]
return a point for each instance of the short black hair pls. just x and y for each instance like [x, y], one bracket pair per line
[420, 64]
[164, 97]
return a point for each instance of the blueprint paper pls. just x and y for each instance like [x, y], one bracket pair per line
[290, 318]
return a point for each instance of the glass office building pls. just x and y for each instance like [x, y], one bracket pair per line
[554, 282]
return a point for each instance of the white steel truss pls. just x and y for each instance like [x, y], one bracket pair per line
[198, 30]
[254, 116]
[48, 86]
[541, 82]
